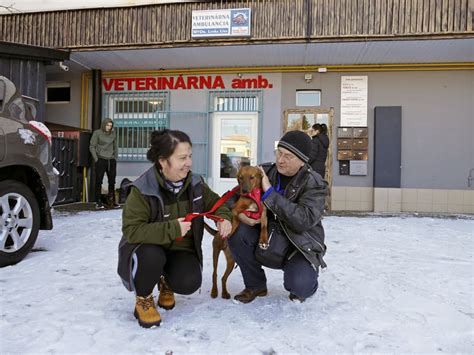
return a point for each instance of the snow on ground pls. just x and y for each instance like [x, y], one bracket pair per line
[393, 285]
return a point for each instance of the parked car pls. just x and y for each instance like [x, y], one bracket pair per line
[28, 181]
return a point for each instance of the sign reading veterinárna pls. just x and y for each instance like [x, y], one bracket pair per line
[221, 23]
[354, 101]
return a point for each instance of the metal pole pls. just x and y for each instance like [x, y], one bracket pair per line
[96, 121]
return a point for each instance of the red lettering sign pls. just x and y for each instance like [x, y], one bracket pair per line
[189, 82]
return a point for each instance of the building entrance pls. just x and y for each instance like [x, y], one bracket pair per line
[234, 144]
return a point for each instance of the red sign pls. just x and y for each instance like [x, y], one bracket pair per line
[190, 82]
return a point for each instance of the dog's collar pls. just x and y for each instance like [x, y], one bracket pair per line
[256, 196]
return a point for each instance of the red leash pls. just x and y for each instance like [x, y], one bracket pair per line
[209, 214]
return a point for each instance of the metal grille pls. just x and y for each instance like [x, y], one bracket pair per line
[235, 101]
[135, 116]
[64, 159]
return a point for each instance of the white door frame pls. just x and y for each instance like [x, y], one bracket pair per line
[218, 184]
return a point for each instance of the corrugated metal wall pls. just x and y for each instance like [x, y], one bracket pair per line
[29, 77]
[272, 21]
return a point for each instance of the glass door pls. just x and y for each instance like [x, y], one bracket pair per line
[235, 142]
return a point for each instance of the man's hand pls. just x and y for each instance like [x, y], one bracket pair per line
[265, 181]
[224, 227]
[247, 220]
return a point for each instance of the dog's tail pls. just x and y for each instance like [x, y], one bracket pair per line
[210, 230]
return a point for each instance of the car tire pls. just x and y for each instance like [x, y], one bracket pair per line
[11, 221]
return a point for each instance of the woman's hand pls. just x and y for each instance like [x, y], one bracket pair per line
[247, 220]
[224, 227]
[265, 181]
[185, 226]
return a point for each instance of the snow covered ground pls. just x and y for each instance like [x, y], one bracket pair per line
[393, 285]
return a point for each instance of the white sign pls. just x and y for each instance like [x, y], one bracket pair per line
[221, 23]
[358, 167]
[354, 101]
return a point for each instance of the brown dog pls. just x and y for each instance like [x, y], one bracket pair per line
[249, 178]
[218, 245]
[250, 183]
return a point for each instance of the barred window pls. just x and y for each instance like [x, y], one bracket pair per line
[235, 101]
[135, 116]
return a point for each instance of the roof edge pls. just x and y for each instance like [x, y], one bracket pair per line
[17, 50]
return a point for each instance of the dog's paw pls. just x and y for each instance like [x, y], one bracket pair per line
[263, 246]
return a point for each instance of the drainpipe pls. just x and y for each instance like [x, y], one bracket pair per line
[96, 121]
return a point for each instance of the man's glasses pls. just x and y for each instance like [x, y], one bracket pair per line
[284, 156]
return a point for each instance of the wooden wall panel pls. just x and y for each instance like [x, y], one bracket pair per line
[272, 21]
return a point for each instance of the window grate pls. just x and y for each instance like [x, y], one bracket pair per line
[235, 101]
[135, 116]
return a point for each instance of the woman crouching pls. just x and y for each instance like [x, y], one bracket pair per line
[158, 246]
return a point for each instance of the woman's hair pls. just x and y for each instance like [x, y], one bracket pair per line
[321, 127]
[163, 143]
[324, 128]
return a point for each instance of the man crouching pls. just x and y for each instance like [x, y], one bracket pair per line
[294, 196]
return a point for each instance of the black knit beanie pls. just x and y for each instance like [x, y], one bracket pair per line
[297, 142]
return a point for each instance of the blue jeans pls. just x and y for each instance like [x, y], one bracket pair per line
[299, 277]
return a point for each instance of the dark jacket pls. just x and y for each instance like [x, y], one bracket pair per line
[300, 211]
[147, 219]
[319, 153]
[103, 144]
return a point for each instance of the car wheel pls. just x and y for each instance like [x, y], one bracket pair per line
[19, 221]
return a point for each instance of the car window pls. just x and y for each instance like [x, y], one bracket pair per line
[17, 109]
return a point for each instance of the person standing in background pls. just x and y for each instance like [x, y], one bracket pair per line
[103, 147]
[319, 149]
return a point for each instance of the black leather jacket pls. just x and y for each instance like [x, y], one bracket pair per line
[300, 211]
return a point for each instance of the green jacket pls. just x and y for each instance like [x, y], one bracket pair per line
[136, 226]
[103, 144]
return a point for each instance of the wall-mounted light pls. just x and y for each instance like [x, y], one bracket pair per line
[308, 77]
[239, 75]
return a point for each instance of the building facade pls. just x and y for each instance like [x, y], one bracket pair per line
[393, 80]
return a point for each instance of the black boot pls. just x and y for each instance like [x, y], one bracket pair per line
[112, 201]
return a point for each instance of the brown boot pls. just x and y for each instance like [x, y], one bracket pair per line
[166, 299]
[146, 313]
[248, 295]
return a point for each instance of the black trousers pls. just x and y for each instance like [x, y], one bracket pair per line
[102, 167]
[181, 269]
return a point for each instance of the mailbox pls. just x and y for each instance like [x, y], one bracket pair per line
[360, 144]
[344, 143]
[344, 154]
[360, 132]
[344, 132]
[359, 155]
